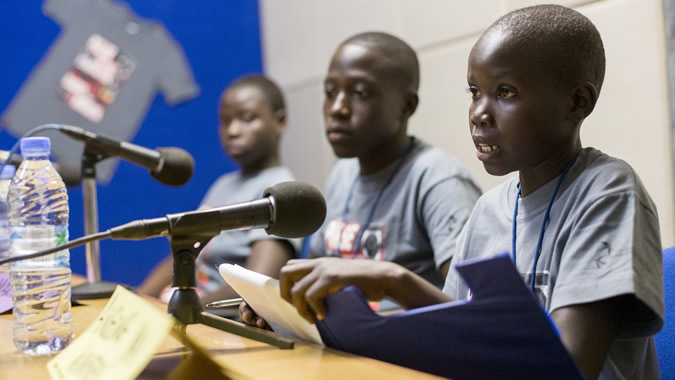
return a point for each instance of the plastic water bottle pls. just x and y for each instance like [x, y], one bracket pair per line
[38, 220]
[6, 176]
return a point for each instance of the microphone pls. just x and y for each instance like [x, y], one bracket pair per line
[170, 166]
[288, 209]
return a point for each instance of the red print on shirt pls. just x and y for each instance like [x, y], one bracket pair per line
[344, 234]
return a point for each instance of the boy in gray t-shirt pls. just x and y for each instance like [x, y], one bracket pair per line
[421, 215]
[252, 118]
[391, 197]
[581, 219]
[601, 242]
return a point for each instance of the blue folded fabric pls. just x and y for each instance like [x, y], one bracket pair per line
[501, 333]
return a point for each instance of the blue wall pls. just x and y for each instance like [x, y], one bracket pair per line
[221, 40]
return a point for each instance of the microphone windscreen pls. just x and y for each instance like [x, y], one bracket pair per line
[177, 167]
[299, 209]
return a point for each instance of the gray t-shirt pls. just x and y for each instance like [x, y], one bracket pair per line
[417, 219]
[101, 74]
[602, 241]
[234, 246]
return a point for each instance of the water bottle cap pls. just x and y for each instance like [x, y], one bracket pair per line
[35, 146]
[7, 172]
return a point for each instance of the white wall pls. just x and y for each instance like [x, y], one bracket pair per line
[631, 120]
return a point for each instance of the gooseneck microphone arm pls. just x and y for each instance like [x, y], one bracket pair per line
[71, 244]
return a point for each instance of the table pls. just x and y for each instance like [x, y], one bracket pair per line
[253, 359]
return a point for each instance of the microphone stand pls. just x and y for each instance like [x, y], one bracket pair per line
[185, 304]
[94, 288]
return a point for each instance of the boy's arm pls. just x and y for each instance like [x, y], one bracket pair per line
[158, 279]
[587, 332]
[305, 283]
[446, 207]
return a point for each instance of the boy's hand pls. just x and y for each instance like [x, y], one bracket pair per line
[305, 283]
[251, 318]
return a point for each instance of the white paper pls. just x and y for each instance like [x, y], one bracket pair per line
[262, 294]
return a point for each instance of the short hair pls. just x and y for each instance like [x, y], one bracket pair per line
[271, 91]
[400, 55]
[568, 41]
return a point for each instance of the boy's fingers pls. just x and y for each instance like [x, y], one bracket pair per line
[246, 313]
[288, 277]
[261, 323]
[315, 296]
[298, 296]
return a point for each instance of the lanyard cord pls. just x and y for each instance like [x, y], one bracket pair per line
[345, 211]
[544, 224]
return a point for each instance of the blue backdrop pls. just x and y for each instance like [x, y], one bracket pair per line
[221, 40]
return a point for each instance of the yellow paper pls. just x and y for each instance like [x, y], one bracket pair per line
[118, 344]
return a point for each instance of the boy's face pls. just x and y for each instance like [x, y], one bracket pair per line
[518, 113]
[363, 103]
[249, 129]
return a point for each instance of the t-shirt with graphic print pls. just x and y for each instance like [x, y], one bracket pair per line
[417, 219]
[101, 74]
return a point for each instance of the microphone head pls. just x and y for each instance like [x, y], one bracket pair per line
[177, 167]
[299, 209]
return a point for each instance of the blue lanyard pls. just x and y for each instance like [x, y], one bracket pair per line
[345, 211]
[544, 224]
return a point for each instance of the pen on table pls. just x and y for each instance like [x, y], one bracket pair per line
[225, 303]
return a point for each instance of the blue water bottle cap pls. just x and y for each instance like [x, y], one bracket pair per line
[7, 172]
[35, 146]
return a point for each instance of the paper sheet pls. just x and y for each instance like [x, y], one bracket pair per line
[262, 294]
[118, 344]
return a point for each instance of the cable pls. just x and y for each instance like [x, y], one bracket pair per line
[71, 244]
[33, 131]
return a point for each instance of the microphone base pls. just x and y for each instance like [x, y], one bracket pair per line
[249, 332]
[93, 290]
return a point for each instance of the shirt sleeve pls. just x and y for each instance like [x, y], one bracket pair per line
[445, 208]
[175, 80]
[65, 11]
[613, 250]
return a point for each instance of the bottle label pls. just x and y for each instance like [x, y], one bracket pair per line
[32, 238]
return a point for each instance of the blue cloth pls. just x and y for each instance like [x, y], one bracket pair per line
[665, 340]
[501, 333]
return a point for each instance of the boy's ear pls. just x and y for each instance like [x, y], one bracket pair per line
[280, 118]
[584, 98]
[410, 105]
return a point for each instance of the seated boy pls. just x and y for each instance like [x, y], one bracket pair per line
[580, 225]
[391, 197]
[252, 119]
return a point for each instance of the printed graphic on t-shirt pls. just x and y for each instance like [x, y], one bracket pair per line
[541, 286]
[344, 234]
[98, 73]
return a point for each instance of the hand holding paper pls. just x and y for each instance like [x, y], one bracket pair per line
[262, 294]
